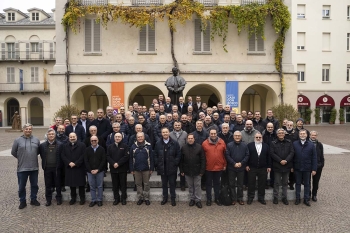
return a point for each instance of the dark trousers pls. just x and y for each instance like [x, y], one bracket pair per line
[171, 179]
[315, 181]
[261, 173]
[245, 181]
[232, 177]
[291, 179]
[22, 182]
[182, 181]
[302, 176]
[281, 179]
[52, 177]
[73, 192]
[62, 177]
[213, 179]
[119, 183]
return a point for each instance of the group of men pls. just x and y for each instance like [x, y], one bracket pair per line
[203, 145]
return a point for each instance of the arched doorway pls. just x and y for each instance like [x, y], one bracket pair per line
[36, 111]
[144, 95]
[90, 98]
[208, 94]
[325, 103]
[12, 107]
[303, 105]
[258, 97]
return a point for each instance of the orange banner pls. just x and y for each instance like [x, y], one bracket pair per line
[117, 100]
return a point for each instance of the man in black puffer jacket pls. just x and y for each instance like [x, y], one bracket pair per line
[192, 166]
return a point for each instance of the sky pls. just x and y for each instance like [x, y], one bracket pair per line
[24, 5]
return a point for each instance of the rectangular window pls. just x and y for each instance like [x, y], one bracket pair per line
[201, 37]
[256, 43]
[326, 41]
[10, 74]
[92, 36]
[348, 10]
[348, 73]
[325, 73]
[348, 42]
[326, 11]
[10, 16]
[35, 16]
[147, 39]
[35, 47]
[10, 50]
[301, 41]
[301, 72]
[301, 11]
[34, 74]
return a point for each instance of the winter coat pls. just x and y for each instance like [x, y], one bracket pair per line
[296, 135]
[158, 131]
[248, 136]
[43, 153]
[104, 127]
[141, 157]
[210, 126]
[239, 127]
[79, 131]
[110, 138]
[226, 137]
[200, 136]
[274, 121]
[237, 153]
[74, 176]
[118, 154]
[188, 127]
[214, 155]
[95, 159]
[320, 155]
[259, 125]
[192, 160]
[181, 139]
[290, 135]
[133, 139]
[26, 151]
[281, 150]
[101, 142]
[268, 138]
[262, 161]
[167, 157]
[305, 157]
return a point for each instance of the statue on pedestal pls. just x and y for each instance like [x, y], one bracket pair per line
[16, 121]
[175, 85]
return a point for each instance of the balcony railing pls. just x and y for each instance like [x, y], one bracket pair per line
[25, 87]
[93, 2]
[247, 2]
[147, 2]
[27, 55]
[208, 2]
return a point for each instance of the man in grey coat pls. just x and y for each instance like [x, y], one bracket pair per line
[26, 149]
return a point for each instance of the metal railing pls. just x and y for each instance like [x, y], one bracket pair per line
[208, 2]
[26, 87]
[26, 55]
[92, 2]
[247, 2]
[147, 2]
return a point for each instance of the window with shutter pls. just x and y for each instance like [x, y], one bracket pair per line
[147, 39]
[3, 51]
[97, 36]
[201, 37]
[326, 11]
[34, 74]
[10, 74]
[301, 72]
[92, 36]
[301, 41]
[326, 40]
[88, 39]
[256, 44]
[348, 12]
[40, 50]
[301, 11]
[51, 50]
[151, 39]
[17, 50]
[10, 51]
[27, 51]
[348, 42]
[348, 73]
[325, 73]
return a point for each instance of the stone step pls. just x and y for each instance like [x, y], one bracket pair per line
[156, 195]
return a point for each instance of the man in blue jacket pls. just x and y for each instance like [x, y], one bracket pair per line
[305, 163]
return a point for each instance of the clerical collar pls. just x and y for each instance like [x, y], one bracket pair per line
[166, 140]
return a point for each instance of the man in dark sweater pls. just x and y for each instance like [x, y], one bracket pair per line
[95, 160]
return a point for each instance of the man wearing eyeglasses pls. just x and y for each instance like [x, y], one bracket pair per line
[26, 149]
[258, 165]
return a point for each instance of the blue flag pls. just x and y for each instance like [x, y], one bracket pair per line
[232, 94]
[20, 80]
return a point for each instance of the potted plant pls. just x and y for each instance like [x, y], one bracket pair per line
[341, 116]
[333, 116]
[317, 115]
[308, 113]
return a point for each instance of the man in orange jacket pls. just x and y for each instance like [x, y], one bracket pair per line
[214, 149]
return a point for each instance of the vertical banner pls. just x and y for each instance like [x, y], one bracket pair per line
[117, 92]
[45, 79]
[232, 95]
[20, 80]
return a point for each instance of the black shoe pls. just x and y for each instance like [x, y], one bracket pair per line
[275, 200]
[192, 203]
[59, 201]
[314, 198]
[262, 202]
[307, 203]
[208, 202]
[140, 201]
[199, 205]
[92, 204]
[48, 203]
[116, 202]
[164, 201]
[123, 202]
[291, 187]
[72, 201]
[173, 202]
[63, 189]
[35, 203]
[82, 201]
[250, 201]
[53, 190]
[99, 203]
[285, 201]
[217, 201]
[147, 202]
[183, 188]
[87, 189]
[297, 201]
[22, 205]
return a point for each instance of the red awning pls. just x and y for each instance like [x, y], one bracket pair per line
[345, 102]
[303, 101]
[325, 101]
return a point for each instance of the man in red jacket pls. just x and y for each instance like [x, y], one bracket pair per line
[214, 149]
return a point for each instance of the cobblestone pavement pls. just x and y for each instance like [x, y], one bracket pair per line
[330, 214]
